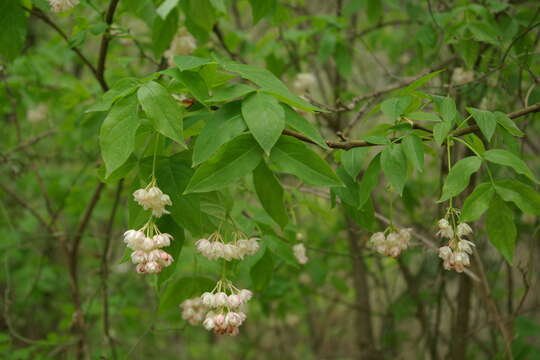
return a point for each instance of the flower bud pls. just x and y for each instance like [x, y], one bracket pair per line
[220, 299]
[245, 295]
[234, 301]
[463, 229]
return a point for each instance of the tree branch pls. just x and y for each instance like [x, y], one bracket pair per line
[104, 46]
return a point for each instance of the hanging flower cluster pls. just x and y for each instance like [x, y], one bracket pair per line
[392, 244]
[303, 82]
[456, 254]
[226, 303]
[62, 5]
[215, 248]
[299, 251]
[193, 310]
[148, 241]
[183, 44]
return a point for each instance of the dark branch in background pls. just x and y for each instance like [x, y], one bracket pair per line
[347, 145]
[41, 15]
[104, 46]
[25, 205]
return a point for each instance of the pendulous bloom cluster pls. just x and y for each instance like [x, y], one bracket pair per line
[456, 254]
[148, 241]
[183, 44]
[193, 310]
[62, 5]
[147, 253]
[299, 251]
[214, 248]
[392, 244]
[152, 198]
[303, 82]
[461, 76]
[226, 303]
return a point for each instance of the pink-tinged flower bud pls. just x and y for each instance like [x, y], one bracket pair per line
[394, 251]
[208, 323]
[245, 295]
[463, 229]
[141, 268]
[220, 299]
[234, 301]
[134, 239]
[162, 240]
[219, 321]
[154, 255]
[233, 331]
[445, 252]
[165, 259]
[233, 319]
[152, 267]
[208, 299]
[138, 257]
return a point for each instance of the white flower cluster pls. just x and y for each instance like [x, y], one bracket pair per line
[303, 82]
[62, 5]
[148, 256]
[299, 251]
[193, 310]
[152, 198]
[214, 248]
[183, 44]
[392, 244]
[227, 313]
[456, 254]
[461, 76]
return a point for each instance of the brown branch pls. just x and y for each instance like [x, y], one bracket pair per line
[347, 145]
[41, 15]
[104, 46]
[27, 206]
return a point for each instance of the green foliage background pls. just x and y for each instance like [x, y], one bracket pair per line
[93, 104]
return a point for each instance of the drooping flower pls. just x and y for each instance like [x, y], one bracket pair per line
[194, 310]
[392, 244]
[147, 253]
[153, 199]
[183, 44]
[455, 255]
[461, 76]
[303, 82]
[299, 251]
[62, 5]
[214, 248]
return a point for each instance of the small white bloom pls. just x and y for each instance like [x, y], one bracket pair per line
[445, 252]
[208, 299]
[443, 224]
[463, 229]
[377, 238]
[152, 267]
[461, 76]
[245, 295]
[208, 323]
[253, 246]
[234, 301]
[62, 5]
[134, 239]
[303, 82]
[229, 252]
[138, 257]
[162, 240]
[299, 251]
[221, 299]
[233, 319]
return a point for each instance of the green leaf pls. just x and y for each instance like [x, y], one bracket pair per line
[201, 12]
[441, 130]
[270, 194]
[265, 119]
[294, 157]
[261, 8]
[393, 108]
[370, 180]
[507, 123]
[422, 116]
[229, 93]
[377, 139]
[234, 160]
[163, 110]
[327, 45]
[299, 123]
[501, 228]
[485, 120]
[119, 90]
[423, 80]
[117, 134]
[459, 176]
[280, 249]
[193, 82]
[13, 23]
[163, 31]
[414, 151]
[224, 125]
[269, 83]
[348, 193]
[190, 62]
[261, 273]
[394, 166]
[183, 289]
[506, 158]
[166, 7]
[477, 202]
[524, 196]
[448, 110]
[167, 225]
[343, 59]
[352, 160]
